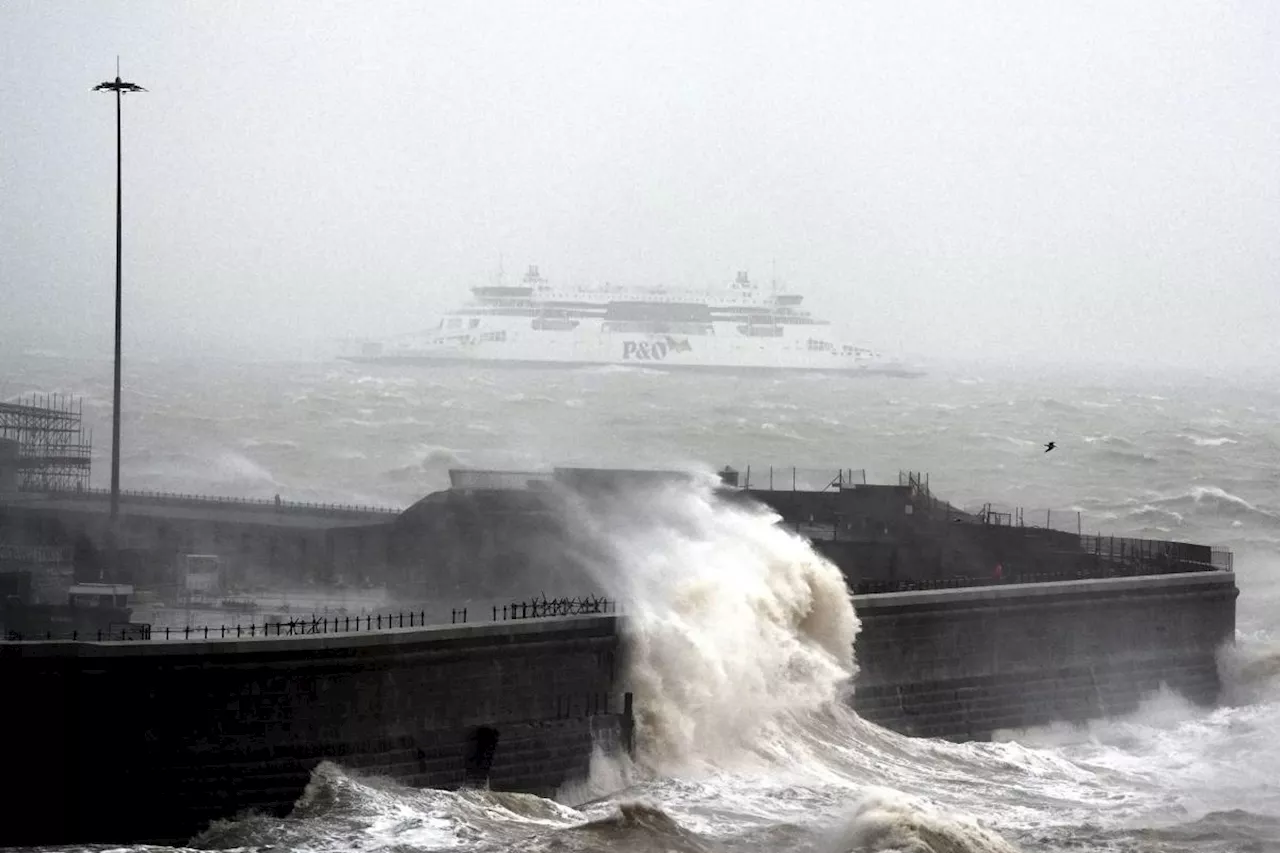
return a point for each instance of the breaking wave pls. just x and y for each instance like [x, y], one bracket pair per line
[740, 643]
[1212, 500]
[1200, 441]
[887, 821]
[341, 810]
[427, 459]
[736, 626]
[1108, 441]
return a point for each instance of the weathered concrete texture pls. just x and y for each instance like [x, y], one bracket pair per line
[964, 663]
[115, 742]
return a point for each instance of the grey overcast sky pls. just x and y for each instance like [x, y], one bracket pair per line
[1081, 181]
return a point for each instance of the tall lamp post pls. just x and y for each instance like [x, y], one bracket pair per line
[119, 87]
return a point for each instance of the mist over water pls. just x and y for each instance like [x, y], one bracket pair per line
[742, 635]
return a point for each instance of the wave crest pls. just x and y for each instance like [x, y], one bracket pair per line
[735, 624]
[888, 821]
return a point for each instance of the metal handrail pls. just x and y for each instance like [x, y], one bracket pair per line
[175, 497]
[538, 608]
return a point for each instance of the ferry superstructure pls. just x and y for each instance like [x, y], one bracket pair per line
[738, 327]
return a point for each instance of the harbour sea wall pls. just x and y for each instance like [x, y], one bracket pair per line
[151, 740]
[965, 663]
[114, 742]
[970, 624]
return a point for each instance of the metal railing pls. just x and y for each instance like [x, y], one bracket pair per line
[1064, 521]
[539, 608]
[916, 481]
[1135, 551]
[204, 500]
[1151, 556]
[774, 478]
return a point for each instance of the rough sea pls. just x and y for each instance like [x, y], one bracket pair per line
[743, 634]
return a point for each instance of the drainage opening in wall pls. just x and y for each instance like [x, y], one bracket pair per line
[480, 749]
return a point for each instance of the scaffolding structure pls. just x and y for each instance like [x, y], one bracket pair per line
[53, 449]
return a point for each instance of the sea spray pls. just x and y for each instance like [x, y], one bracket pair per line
[734, 625]
[740, 656]
[885, 820]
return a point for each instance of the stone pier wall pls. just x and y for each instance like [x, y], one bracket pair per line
[150, 741]
[964, 663]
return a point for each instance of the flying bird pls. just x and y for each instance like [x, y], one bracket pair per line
[1049, 446]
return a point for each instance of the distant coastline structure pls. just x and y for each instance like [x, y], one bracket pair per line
[44, 446]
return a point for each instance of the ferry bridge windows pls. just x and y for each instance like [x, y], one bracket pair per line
[494, 336]
[820, 346]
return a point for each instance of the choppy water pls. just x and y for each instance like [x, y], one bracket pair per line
[742, 632]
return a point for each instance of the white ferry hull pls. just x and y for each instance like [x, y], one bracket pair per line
[664, 352]
[535, 325]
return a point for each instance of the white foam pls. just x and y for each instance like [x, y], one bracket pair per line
[885, 820]
[1208, 442]
[734, 624]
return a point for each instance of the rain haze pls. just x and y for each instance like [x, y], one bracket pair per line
[1018, 182]
[954, 529]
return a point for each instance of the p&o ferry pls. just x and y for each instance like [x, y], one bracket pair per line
[736, 328]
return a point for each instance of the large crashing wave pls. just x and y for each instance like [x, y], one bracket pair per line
[732, 622]
[740, 640]
[734, 625]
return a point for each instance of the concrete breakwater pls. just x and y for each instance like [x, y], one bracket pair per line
[965, 663]
[150, 741]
